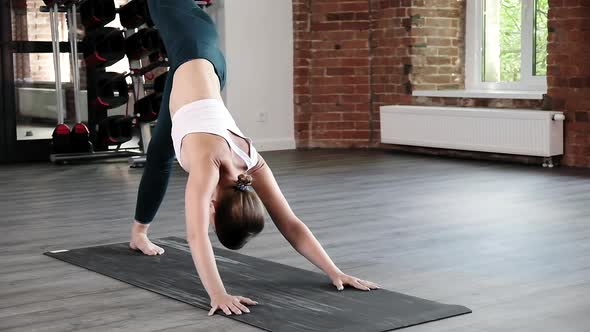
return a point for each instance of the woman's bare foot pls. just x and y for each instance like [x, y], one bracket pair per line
[139, 240]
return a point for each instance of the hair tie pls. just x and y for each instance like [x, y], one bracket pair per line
[242, 187]
[244, 181]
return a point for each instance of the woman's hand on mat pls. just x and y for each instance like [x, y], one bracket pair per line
[342, 280]
[230, 304]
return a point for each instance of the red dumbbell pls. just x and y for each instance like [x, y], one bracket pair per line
[204, 3]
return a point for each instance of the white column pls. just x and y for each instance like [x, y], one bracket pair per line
[258, 42]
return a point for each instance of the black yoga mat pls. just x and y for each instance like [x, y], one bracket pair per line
[290, 299]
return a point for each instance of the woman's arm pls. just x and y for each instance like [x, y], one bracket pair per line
[296, 232]
[199, 189]
[203, 177]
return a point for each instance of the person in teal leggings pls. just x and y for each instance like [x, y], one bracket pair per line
[188, 32]
[213, 197]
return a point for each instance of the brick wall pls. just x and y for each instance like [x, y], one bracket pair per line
[438, 39]
[337, 103]
[391, 62]
[353, 56]
[568, 74]
[332, 73]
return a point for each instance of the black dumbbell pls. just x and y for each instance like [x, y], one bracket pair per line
[111, 91]
[80, 139]
[61, 139]
[142, 43]
[147, 108]
[159, 53]
[104, 47]
[97, 13]
[134, 14]
[115, 130]
[204, 3]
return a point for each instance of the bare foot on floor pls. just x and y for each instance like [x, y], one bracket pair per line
[139, 241]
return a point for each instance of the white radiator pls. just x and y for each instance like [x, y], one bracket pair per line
[521, 132]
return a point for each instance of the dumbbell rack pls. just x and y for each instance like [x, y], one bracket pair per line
[137, 156]
[61, 158]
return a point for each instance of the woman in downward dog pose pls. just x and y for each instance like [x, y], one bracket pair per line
[229, 184]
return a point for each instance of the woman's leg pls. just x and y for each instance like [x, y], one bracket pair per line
[156, 174]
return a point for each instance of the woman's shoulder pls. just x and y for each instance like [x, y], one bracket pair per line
[205, 145]
[259, 165]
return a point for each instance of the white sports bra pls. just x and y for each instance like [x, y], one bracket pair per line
[209, 116]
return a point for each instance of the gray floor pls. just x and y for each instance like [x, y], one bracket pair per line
[511, 242]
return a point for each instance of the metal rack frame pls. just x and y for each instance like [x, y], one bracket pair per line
[138, 86]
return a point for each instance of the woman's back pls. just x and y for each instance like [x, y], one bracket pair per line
[210, 116]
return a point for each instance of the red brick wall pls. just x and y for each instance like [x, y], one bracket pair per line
[332, 73]
[353, 56]
[391, 62]
[438, 38]
[568, 74]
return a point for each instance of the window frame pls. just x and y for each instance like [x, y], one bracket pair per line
[474, 51]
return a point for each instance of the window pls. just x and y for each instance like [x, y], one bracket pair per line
[506, 45]
[34, 73]
[31, 25]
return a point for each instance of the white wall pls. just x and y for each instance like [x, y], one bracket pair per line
[258, 44]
